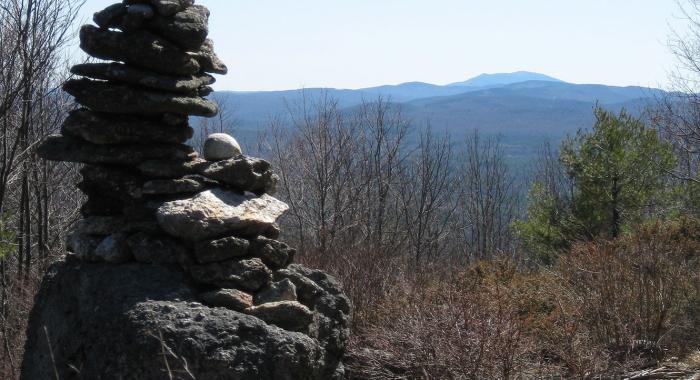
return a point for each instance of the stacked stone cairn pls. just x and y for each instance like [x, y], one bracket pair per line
[150, 198]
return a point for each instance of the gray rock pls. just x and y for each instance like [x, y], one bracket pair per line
[101, 205]
[276, 292]
[186, 185]
[83, 246]
[221, 146]
[188, 28]
[99, 225]
[208, 60]
[323, 295]
[171, 168]
[171, 7]
[114, 249]
[156, 249]
[250, 274]
[109, 16]
[107, 321]
[221, 249]
[122, 73]
[140, 48]
[111, 181]
[289, 315]
[243, 173]
[233, 299]
[102, 129]
[116, 98]
[218, 212]
[64, 148]
[273, 253]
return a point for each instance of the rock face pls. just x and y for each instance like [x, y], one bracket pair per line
[175, 253]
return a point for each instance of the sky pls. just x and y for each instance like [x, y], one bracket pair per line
[287, 44]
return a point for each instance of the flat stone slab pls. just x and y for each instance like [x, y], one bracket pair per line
[188, 28]
[243, 173]
[116, 98]
[134, 75]
[64, 148]
[246, 274]
[140, 48]
[214, 213]
[208, 60]
[103, 129]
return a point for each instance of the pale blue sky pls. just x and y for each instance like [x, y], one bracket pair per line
[284, 44]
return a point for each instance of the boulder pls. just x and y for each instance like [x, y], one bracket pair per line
[185, 185]
[70, 149]
[114, 322]
[140, 48]
[247, 274]
[273, 253]
[114, 249]
[233, 299]
[221, 146]
[120, 72]
[111, 181]
[208, 60]
[243, 173]
[323, 295]
[276, 292]
[83, 245]
[218, 212]
[289, 315]
[156, 249]
[187, 29]
[221, 249]
[122, 99]
[171, 168]
[103, 129]
[171, 7]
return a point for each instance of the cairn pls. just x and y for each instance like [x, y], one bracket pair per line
[151, 199]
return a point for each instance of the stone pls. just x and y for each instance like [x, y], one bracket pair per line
[109, 16]
[140, 48]
[171, 168]
[103, 129]
[289, 315]
[187, 29]
[243, 173]
[114, 182]
[273, 253]
[221, 146]
[108, 320]
[247, 274]
[171, 7]
[156, 249]
[208, 60]
[218, 212]
[232, 299]
[276, 292]
[100, 205]
[65, 148]
[322, 294]
[82, 245]
[116, 98]
[185, 185]
[221, 249]
[114, 249]
[120, 72]
[99, 225]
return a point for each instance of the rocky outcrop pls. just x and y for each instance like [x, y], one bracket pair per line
[176, 265]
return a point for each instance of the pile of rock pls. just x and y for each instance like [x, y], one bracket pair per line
[153, 200]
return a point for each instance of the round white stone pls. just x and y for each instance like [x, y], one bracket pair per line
[220, 146]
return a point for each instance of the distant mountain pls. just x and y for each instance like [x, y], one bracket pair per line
[501, 79]
[525, 113]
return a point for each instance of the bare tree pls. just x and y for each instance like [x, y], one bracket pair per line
[487, 199]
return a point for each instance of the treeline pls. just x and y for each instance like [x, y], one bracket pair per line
[38, 199]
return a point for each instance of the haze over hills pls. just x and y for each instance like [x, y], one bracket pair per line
[524, 108]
